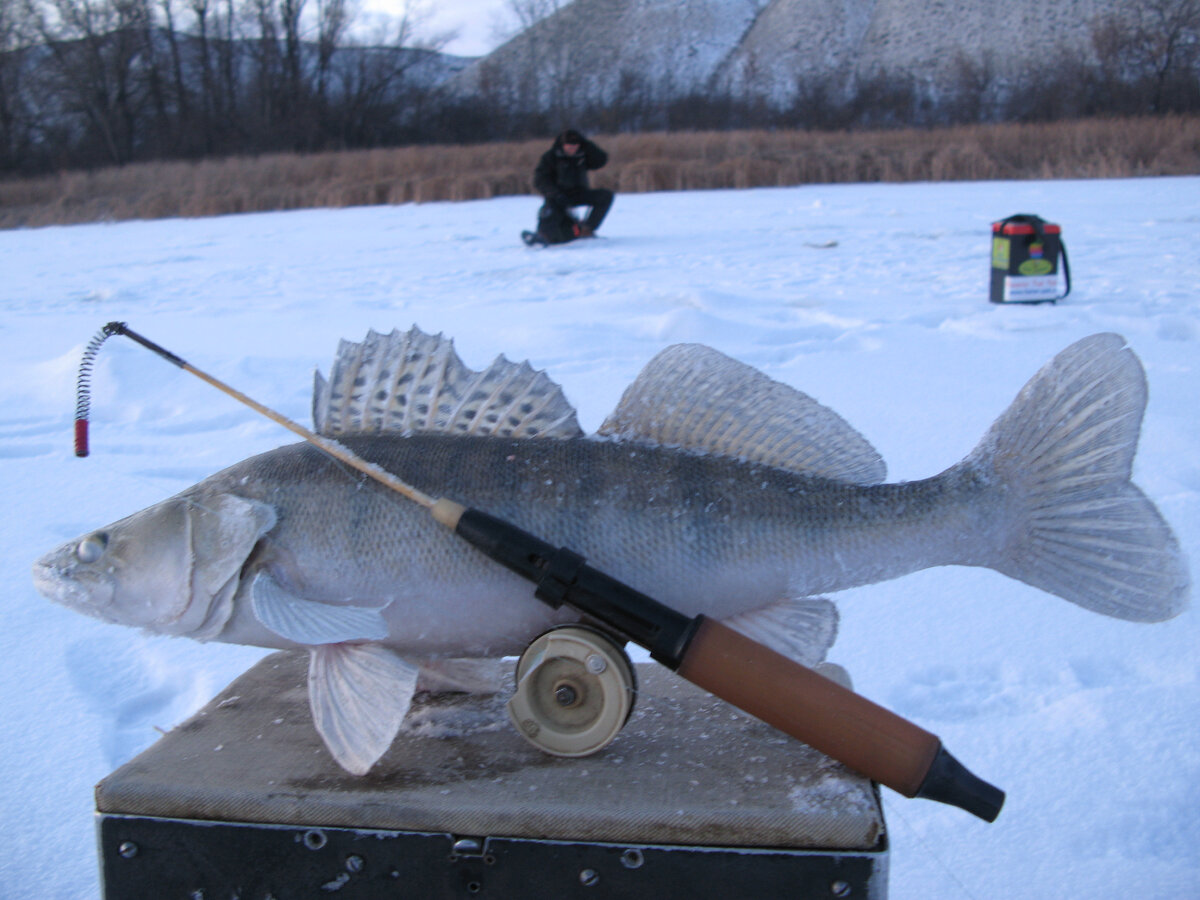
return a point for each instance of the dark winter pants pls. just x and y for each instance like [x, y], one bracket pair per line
[599, 199]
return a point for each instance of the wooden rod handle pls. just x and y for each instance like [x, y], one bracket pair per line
[808, 706]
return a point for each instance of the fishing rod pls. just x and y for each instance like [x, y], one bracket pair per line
[838, 722]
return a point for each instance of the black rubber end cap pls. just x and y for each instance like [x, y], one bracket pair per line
[949, 781]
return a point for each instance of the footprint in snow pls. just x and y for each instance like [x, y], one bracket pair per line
[134, 689]
[32, 427]
[960, 693]
[24, 451]
[955, 694]
[1176, 328]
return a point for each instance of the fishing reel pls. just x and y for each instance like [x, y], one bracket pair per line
[575, 691]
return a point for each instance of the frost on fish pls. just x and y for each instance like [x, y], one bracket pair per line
[711, 488]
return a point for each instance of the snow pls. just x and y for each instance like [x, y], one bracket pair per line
[1089, 723]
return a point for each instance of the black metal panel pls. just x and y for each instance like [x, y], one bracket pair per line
[167, 859]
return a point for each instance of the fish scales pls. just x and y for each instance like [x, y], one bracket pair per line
[711, 488]
[702, 533]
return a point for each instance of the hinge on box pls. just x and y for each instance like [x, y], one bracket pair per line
[468, 847]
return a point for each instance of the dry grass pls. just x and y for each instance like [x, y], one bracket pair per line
[1101, 148]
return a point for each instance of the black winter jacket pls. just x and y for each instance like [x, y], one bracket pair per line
[558, 174]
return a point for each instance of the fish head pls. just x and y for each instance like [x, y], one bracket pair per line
[172, 568]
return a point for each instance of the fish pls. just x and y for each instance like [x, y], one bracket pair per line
[711, 487]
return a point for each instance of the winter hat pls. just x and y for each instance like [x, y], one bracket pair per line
[570, 136]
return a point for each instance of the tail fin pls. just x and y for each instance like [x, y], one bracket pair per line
[1079, 528]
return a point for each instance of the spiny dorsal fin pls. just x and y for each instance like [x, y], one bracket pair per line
[694, 397]
[415, 382]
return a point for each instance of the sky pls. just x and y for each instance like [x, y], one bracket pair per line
[475, 21]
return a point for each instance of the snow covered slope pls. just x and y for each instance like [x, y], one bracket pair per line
[597, 50]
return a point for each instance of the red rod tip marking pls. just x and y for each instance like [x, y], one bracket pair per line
[81, 437]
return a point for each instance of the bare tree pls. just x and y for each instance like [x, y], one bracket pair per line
[95, 51]
[16, 116]
[334, 18]
[370, 96]
[1152, 41]
[181, 88]
[974, 86]
[292, 94]
[548, 79]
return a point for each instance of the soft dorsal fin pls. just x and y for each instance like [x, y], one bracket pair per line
[694, 397]
[415, 382]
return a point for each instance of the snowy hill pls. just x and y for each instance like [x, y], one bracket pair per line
[861, 40]
[592, 50]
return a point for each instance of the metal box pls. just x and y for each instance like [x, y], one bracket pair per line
[693, 798]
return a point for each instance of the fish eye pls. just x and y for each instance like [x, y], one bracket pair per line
[92, 547]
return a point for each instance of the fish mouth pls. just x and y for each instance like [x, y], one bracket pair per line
[54, 584]
[47, 580]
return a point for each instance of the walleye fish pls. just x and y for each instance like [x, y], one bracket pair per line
[712, 488]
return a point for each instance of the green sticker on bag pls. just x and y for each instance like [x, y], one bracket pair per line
[1000, 252]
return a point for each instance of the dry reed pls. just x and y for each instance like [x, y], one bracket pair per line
[1098, 148]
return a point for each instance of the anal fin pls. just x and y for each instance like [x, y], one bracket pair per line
[802, 629]
[359, 695]
[463, 676]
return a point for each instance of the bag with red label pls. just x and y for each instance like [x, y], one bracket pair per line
[1025, 254]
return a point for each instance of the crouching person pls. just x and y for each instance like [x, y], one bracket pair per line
[561, 177]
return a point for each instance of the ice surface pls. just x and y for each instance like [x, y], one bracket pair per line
[1089, 723]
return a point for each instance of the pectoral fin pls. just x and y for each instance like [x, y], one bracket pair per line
[311, 622]
[359, 695]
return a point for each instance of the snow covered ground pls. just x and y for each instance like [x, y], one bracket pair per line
[1089, 723]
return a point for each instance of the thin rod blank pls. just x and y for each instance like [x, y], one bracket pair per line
[332, 447]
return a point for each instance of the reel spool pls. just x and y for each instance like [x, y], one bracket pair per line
[575, 691]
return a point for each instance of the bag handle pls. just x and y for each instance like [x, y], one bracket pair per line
[1037, 222]
[1062, 246]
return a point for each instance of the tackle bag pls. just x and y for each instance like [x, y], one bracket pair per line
[1025, 254]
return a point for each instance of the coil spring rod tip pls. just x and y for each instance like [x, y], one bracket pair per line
[83, 385]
